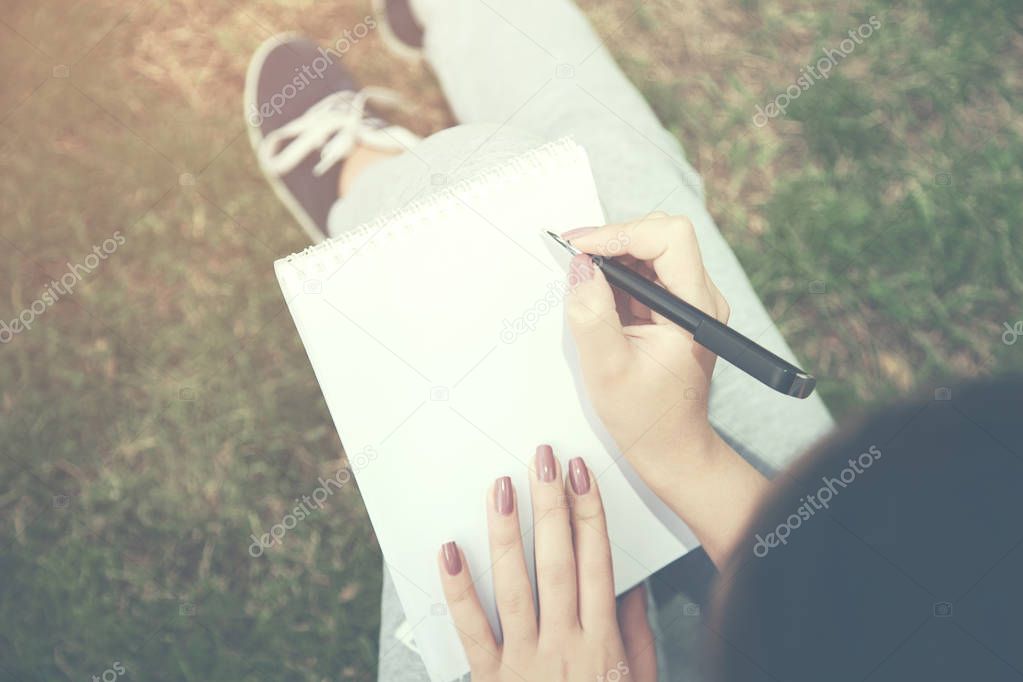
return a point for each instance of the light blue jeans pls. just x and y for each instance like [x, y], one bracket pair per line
[517, 74]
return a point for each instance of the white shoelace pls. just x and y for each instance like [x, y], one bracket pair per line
[334, 126]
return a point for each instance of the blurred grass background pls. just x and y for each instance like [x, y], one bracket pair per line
[153, 419]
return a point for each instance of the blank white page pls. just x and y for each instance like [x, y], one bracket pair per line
[411, 327]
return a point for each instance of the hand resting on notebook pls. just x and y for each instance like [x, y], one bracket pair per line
[578, 635]
[648, 379]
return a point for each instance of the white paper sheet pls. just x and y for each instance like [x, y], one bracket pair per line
[437, 336]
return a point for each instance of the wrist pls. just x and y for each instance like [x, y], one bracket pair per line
[683, 454]
[709, 485]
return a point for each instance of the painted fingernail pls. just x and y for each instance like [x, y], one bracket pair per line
[579, 476]
[582, 267]
[504, 496]
[577, 232]
[546, 469]
[452, 559]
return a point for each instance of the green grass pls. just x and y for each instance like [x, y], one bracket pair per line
[169, 398]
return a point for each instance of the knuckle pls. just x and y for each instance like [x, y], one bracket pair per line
[628, 231]
[581, 314]
[682, 224]
[556, 574]
[680, 231]
[598, 566]
[482, 658]
[550, 511]
[515, 602]
[504, 539]
[590, 513]
[460, 597]
[552, 649]
[724, 310]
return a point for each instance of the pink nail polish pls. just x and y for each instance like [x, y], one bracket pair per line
[579, 476]
[452, 559]
[504, 496]
[581, 267]
[546, 468]
[577, 232]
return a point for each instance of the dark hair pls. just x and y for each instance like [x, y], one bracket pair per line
[892, 551]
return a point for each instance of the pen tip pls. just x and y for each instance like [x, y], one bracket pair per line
[566, 244]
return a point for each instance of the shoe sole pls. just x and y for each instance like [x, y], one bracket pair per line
[249, 103]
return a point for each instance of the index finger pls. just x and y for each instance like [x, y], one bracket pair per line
[668, 243]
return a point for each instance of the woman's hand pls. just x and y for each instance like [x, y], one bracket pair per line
[646, 376]
[649, 380]
[578, 635]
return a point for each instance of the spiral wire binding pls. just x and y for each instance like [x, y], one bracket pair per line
[316, 258]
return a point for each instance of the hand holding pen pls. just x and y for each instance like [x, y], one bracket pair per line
[648, 378]
[709, 332]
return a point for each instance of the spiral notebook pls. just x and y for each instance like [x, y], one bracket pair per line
[438, 339]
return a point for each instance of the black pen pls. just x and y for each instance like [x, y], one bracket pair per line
[719, 338]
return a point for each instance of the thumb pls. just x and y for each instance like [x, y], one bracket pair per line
[593, 320]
